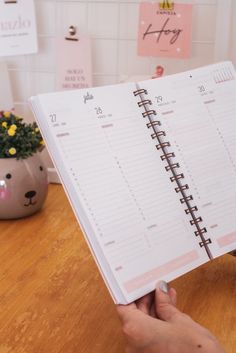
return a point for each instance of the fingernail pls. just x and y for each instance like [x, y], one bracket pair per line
[163, 286]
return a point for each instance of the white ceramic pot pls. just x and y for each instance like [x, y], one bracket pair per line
[23, 186]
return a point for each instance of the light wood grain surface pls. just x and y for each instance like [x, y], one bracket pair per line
[52, 297]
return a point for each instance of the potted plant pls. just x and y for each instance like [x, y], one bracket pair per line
[23, 177]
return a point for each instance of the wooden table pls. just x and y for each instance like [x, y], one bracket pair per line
[52, 298]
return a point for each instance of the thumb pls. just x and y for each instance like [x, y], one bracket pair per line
[139, 328]
[164, 302]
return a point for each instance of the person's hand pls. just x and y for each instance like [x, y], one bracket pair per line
[154, 325]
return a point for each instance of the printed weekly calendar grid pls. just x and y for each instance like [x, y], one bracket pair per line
[205, 139]
[112, 171]
[142, 186]
[122, 184]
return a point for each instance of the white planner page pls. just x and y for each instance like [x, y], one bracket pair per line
[118, 186]
[197, 109]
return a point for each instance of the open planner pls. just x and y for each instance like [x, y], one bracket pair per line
[150, 171]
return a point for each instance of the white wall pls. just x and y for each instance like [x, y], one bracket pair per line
[112, 25]
[232, 55]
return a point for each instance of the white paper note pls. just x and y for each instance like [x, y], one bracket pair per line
[18, 33]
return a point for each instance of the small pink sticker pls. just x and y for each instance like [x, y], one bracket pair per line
[165, 33]
[5, 194]
[73, 63]
[159, 71]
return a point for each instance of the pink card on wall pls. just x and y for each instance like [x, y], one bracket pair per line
[73, 63]
[165, 33]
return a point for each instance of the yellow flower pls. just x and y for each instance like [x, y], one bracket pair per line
[42, 142]
[12, 151]
[36, 129]
[7, 114]
[4, 124]
[13, 127]
[11, 132]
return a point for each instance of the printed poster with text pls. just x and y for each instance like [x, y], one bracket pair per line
[165, 33]
[73, 63]
[18, 33]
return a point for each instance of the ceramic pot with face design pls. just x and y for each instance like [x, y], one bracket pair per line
[23, 186]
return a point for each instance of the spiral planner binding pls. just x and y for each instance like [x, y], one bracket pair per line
[172, 166]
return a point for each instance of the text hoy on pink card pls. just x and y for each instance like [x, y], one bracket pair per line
[163, 32]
